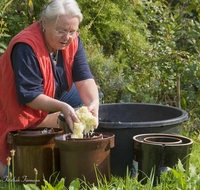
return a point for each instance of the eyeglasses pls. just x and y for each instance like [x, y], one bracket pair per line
[64, 33]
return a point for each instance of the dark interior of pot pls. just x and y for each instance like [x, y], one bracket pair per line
[89, 136]
[162, 140]
[35, 136]
[37, 131]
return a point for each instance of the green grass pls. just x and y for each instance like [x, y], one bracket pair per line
[194, 158]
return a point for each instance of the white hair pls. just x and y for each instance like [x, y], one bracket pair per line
[61, 7]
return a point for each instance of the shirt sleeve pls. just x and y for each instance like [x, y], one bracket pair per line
[28, 79]
[81, 70]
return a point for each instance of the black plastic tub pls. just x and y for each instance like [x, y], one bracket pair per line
[126, 120]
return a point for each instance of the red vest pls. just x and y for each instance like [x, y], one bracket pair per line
[12, 115]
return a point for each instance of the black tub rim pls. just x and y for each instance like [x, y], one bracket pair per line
[177, 120]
